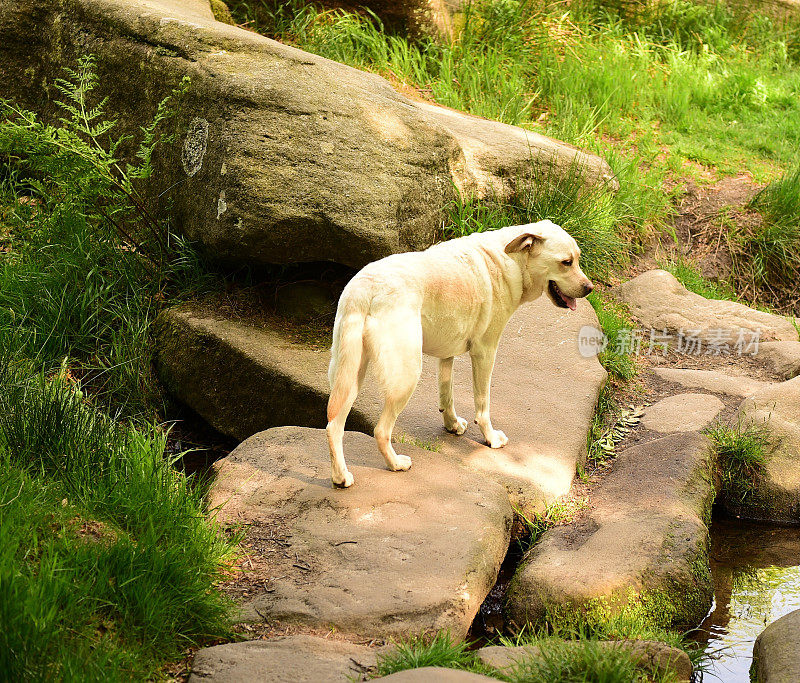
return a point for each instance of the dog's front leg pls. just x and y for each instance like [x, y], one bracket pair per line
[452, 422]
[482, 366]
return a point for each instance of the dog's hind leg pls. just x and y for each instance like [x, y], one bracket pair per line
[340, 475]
[397, 360]
[452, 422]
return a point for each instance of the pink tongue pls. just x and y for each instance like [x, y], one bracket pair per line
[569, 301]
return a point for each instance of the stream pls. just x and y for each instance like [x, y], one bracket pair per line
[756, 570]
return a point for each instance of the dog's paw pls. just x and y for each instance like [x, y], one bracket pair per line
[401, 463]
[497, 440]
[458, 427]
[345, 483]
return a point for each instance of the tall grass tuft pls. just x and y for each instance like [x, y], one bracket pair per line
[440, 650]
[743, 451]
[771, 249]
[106, 557]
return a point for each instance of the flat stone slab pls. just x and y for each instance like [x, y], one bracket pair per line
[399, 554]
[291, 659]
[783, 357]
[777, 494]
[682, 413]
[657, 300]
[243, 378]
[651, 656]
[776, 655]
[712, 380]
[644, 537]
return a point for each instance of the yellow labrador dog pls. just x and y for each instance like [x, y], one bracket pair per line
[454, 297]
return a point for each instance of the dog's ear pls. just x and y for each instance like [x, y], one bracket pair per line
[527, 241]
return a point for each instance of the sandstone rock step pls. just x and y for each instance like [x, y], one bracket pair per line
[655, 658]
[682, 413]
[286, 156]
[398, 554]
[291, 659]
[782, 356]
[657, 300]
[776, 656]
[642, 545]
[776, 498]
[712, 380]
[244, 378]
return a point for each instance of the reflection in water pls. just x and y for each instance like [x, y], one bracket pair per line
[756, 569]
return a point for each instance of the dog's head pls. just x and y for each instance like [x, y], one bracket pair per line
[551, 263]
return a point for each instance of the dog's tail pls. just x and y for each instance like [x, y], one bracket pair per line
[347, 351]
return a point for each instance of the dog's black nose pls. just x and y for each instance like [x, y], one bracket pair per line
[587, 288]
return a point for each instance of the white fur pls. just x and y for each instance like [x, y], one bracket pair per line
[452, 298]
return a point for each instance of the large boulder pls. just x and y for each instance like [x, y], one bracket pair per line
[642, 547]
[284, 156]
[658, 301]
[776, 655]
[244, 376]
[290, 659]
[398, 554]
[777, 493]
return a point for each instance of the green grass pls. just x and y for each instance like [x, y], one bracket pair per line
[589, 662]
[743, 451]
[614, 322]
[691, 278]
[108, 563]
[558, 661]
[440, 650]
[558, 512]
[770, 251]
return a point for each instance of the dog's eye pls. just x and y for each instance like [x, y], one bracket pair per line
[567, 262]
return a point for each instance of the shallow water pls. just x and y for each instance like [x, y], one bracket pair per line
[756, 570]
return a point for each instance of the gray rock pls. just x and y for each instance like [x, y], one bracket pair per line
[397, 554]
[242, 378]
[655, 658]
[285, 156]
[657, 300]
[776, 655]
[682, 413]
[783, 357]
[712, 380]
[436, 675]
[642, 545]
[290, 659]
[777, 494]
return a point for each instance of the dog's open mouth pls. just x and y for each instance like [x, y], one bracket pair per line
[559, 298]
